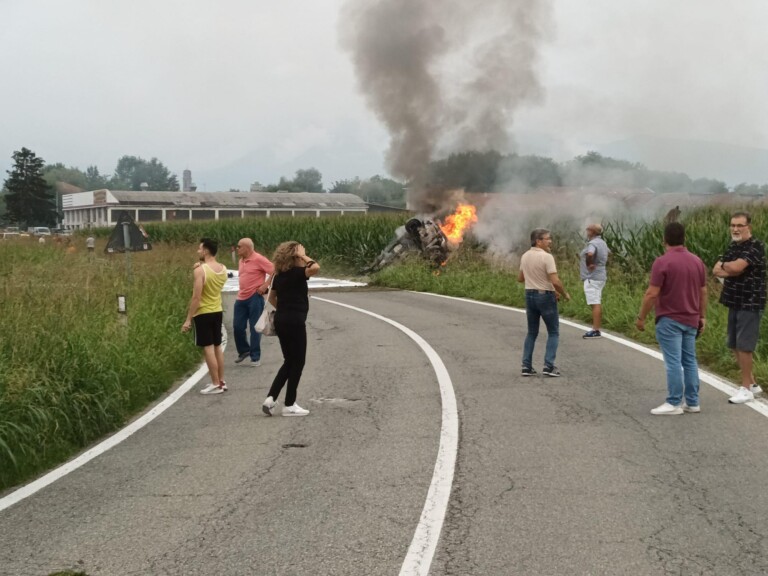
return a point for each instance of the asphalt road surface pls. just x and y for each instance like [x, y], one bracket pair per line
[560, 476]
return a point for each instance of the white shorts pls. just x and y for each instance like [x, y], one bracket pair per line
[593, 290]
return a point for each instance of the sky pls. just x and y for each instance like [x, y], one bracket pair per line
[239, 91]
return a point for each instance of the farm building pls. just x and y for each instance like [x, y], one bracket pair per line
[101, 207]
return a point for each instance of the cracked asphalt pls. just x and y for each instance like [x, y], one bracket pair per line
[567, 476]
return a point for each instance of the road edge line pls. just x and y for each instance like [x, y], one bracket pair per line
[420, 553]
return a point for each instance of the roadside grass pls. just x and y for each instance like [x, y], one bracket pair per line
[71, 371]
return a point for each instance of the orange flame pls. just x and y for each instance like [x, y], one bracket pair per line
[457, 223]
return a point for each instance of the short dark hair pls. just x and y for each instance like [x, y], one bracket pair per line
[538, 234]
[211, 245]
[674, 234]
[742, 214]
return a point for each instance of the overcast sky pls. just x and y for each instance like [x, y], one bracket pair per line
[249, 90]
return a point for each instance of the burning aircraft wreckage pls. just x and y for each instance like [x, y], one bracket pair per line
[429, 236]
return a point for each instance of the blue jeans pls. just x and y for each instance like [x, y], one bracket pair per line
[537, 307]
[246, 313]
[678, 344]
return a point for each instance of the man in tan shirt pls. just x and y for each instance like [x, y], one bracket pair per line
[542, 290]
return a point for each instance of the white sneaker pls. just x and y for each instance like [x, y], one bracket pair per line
[741, 396]
[667, 409]
[755, 389]
[691, 409]
[268, 406]
[255, 363]
[294, 410]
[212, 389]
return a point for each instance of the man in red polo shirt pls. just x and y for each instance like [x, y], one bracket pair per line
[254, 272]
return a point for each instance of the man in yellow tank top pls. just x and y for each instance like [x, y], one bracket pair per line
[206, 312]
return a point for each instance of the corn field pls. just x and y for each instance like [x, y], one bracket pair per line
[352, 241]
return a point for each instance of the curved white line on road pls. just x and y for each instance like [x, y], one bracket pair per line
[707, 377]
[99, 449]
[37, 485]
[422, 549]
[111, 442]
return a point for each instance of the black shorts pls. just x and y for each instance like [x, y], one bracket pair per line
[743, 329]
[208, 329]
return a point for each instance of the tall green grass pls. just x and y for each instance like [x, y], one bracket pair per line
[71, 372]
[352, 240]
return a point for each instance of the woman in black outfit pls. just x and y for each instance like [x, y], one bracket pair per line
[289, 297]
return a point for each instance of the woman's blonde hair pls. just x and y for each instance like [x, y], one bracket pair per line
[284, 255]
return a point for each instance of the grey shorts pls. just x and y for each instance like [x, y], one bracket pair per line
[743, 329]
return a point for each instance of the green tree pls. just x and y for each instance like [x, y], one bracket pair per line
[309, 180]
[57, 172]
[94, 180]
[3, 209]
[378, 190]
[132, 171]
[30, 200]
[346, 187]
[473, 171]
[528, 172]
[747, 189]
[708, 186]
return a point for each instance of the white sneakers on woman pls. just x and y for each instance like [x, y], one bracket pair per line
[268, 407]
[294, 410]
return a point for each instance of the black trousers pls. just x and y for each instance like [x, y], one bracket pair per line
[292, 334]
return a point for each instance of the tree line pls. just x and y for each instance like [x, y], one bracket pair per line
[29, 191]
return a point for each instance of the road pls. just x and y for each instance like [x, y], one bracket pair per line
[558, 476]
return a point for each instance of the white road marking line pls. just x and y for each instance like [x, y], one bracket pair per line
[51, 477]
[102, 447]
[422, 549]
[704, 376]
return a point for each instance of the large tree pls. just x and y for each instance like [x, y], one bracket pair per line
[57, 172]
[309, 180]
[131, 172]
[30, 200]
[94, 180]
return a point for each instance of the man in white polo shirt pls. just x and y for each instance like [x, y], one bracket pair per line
[542, 284]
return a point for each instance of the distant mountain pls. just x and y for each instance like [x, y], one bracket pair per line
[731, 164]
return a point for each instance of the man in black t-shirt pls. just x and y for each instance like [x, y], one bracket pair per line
[742, 269]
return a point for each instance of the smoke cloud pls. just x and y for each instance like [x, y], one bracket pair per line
[445, 76]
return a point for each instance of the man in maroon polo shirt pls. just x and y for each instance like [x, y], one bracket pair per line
[678, 291]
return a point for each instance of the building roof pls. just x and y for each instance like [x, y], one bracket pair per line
[239, 200]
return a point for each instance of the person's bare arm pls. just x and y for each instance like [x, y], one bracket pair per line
[197, 294]
[521, 276]
[559, 288]
[734, 267]
[310, 266]
[590, 260]
[702, 308]
[649, 301]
